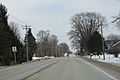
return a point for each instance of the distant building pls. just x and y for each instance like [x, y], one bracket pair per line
[115, 49]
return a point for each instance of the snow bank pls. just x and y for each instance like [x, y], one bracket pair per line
[109, 59]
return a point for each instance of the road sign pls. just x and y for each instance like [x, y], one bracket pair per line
[14, 50]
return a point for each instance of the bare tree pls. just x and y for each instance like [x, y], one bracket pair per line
[75, 37]
[53, 41]
[83, 25]
[59, 51]
[46, 44]
[64, 48]
[42, 34]
[117, 20]
[42, 39]
[14, 28]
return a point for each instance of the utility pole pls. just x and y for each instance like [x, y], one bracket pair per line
[55, 50]
[52, 46]
[26, 27]
[42, 46]
[103, 48]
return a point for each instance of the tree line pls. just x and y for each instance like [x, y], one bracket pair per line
[8, 38]
[86, 33]
[48, 45]
[45, 45]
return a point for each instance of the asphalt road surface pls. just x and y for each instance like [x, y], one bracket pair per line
[20, 72]
[64, 68]
[72, 69]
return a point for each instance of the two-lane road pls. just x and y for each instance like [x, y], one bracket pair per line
[72, 69]
[64, 68]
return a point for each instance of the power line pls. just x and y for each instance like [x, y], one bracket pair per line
[21, 21]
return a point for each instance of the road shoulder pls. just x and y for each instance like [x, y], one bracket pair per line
[108, 68]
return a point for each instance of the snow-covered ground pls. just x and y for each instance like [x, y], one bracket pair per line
[109, 59]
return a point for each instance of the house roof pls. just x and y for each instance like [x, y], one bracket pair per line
[117, 44]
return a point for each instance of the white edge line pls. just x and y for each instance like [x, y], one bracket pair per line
[98, 69]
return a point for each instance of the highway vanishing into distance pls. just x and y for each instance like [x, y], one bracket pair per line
[64, 68]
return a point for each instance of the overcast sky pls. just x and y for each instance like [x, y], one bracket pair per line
[55, 15]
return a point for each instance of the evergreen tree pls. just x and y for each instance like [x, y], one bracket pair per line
[95, 42]
[31, 44]
[16, 42]
[7, 40]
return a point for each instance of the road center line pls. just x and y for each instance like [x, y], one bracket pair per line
[98, 69]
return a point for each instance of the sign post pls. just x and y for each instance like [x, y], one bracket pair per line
[14, 50]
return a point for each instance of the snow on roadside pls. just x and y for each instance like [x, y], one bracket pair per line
[109, 59]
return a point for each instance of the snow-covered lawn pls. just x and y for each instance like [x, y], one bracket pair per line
[109, 59]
